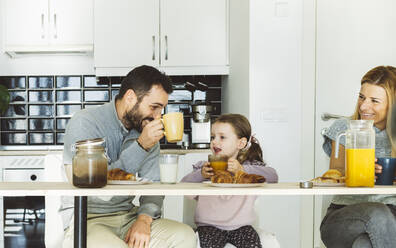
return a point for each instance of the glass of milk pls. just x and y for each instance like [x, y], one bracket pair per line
[168, 168]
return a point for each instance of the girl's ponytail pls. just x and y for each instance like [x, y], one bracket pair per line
[251, 152]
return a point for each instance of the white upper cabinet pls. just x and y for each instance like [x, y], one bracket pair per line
[193, 33]
[71, 22]
[176, 36]
[48, 26]
[26, 22]
[126, 33]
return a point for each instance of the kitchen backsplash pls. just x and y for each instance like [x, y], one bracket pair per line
[41, 106]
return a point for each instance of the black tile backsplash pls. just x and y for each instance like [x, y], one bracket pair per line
[92, 82]
[16, 110]
[180, 95]
[96, 96]
[18, 96]
[68, 96]
[41, 82]
[14, 82]
[41, 124]
[41, 106]
[13, 124]
[68, 82]
[13, 138]
[67, 110]
[41, 96]
[41, 138]
[41, 110]
[59, 138]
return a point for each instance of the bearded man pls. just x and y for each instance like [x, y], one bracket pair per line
[132, 128]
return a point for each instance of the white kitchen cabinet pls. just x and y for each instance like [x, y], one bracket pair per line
[25, 22]
[176, 36]
[193, 32]
[126, 33]
[48, 26]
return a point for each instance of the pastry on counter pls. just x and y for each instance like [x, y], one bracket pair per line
[118, 174]
[330, 176]
[242, 177]
[239, 177]
[222, 177]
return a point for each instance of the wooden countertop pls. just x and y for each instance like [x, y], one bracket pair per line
[64, 188]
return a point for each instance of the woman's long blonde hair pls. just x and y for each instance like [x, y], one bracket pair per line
[385, 77]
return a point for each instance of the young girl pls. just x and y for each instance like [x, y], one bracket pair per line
[228, 219]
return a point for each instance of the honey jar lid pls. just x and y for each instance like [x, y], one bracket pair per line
[90, 142]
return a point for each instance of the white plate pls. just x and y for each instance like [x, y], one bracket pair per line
[317, 184]
[139, 181]
[234, 185]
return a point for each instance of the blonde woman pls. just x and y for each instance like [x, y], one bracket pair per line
[364, 220]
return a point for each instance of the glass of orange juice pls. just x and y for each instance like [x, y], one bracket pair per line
[218, 162]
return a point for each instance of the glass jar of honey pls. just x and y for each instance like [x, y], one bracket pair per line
[90, 164]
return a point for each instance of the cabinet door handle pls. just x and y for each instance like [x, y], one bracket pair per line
[166, 47]
[153, 57]
[55, 29]
[42, 27]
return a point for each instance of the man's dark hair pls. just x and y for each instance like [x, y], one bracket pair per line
[142, 79]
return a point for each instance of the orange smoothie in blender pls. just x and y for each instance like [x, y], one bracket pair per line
[360, 167]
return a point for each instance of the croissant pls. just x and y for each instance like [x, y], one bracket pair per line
[330, 176]
[239, 177]
[332, 173]
[222, 177]
[118, 174]
[242, 177]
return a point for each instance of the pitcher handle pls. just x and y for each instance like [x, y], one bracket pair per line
[337, 145]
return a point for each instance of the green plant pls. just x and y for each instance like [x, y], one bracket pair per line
[4, 99]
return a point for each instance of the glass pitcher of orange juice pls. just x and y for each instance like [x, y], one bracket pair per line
[360, 153]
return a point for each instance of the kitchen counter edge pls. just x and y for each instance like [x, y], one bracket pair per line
[60, 151]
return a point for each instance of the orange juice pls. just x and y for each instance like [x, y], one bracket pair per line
[360, 165]
[218, 165]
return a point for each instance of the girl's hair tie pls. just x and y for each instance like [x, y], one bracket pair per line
[251, 140]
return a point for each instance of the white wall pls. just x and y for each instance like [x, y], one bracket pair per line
[275, 104]
[272, 56]
[236, 86]
[42, 65]
[308, 130]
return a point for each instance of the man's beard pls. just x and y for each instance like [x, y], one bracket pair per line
[133, 119]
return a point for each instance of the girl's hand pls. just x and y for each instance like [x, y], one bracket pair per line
[234, 166]
[207, 170]
[378, 168]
